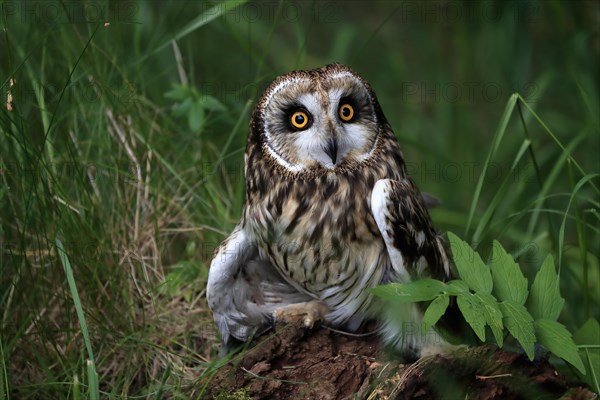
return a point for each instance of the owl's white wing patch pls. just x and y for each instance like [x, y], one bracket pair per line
[379, 208]
[412, 243]
[243, 289]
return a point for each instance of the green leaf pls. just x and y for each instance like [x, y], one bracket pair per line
[544, 300]
[457, 287]
[592, 366]
[471, 310]
[520, 324]
[588, 340]
[183, 108]
[589, 333]
[212, 103]
[196, 116]
[434, 312]
[556, 338]
[178, 92]
[421, 290]
[469, 265]
[509, 282]
[182, 274]
[492, 315]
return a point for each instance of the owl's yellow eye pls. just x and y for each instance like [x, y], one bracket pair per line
[346, 112]
[299, 119]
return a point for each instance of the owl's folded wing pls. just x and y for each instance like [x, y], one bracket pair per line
[413, 245]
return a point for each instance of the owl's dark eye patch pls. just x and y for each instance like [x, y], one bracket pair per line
[298, 118]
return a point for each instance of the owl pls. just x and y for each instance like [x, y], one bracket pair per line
[329, 213]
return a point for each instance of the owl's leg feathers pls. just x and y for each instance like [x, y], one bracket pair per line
[308, 313]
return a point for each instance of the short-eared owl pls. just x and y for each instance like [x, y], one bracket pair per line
[330, 212]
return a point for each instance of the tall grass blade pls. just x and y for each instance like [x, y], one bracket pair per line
[558, 142]
[592, 371]
[4, 390]
[209, 15]
[76, 388]
[581, 237]
[489, 212]
[508, 110]
[76, 300]
[550, 181]
[561, 232]
[93, 386]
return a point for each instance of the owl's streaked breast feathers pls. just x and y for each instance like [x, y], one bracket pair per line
[329, 212]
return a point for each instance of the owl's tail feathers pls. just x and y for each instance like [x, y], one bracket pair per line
[401, 330]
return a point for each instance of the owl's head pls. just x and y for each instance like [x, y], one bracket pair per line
[321, 118]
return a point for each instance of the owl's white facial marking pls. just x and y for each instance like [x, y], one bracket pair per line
[281, 161]
[292, 167]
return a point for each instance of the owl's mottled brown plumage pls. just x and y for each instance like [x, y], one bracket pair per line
[329, 212]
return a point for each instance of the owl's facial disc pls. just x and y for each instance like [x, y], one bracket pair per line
[320, 123]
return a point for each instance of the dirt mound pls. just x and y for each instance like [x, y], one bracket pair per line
[323, 364]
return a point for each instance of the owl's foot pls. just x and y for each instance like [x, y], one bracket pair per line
[308, 313]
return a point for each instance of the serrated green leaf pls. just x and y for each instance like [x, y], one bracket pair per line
[555, 337]
[544, 300]
[434, 312]
[509, 281]
[492, 315]
[421, 290]
[469, 265]
[520, 324]
[456, 287]
[471, 310]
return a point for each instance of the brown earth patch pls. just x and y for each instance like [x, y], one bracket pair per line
[323, 365]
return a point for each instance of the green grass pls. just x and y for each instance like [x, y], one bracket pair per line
[96, 156]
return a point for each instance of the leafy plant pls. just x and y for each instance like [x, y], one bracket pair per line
[496, 296]
[193, 105]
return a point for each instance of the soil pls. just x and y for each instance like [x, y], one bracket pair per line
[322, 364]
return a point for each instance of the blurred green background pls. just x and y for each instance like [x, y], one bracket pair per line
[123, 126]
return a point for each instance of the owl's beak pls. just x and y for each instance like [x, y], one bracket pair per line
[331, 149]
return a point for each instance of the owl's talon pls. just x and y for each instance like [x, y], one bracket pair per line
[307, 313]
[306, 330]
